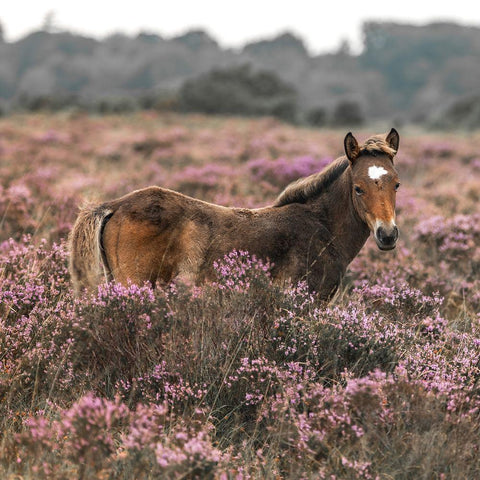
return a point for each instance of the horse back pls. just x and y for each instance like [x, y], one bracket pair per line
[156, 234]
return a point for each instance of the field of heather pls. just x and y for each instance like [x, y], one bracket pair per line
[240, 378]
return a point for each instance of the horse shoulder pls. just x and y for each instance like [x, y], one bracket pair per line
[313, 255]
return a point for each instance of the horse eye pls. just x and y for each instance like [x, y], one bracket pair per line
[358, 190]
[397, 186]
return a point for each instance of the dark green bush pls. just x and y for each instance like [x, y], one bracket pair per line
[239, 91]
[317, 116]
[347, 113]
[462, 113]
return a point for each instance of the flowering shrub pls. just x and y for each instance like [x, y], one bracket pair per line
[238, 378]
[84, 435]
[16, 205]
[452, 238]
[238, 272]
[330, 426]
[96, 434]
[282, 171]
[399, 300]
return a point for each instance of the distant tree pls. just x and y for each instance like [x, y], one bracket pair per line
[317, 116]
[462, 113]
[196, 40]
[48, 24]
[116, 105]
[239, 91]
[403, 71]
[344, 48]
[38, 81]
[284, 42]
[347, 113]
[409, 56]
[150, 38]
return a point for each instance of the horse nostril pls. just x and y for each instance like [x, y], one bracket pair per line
[387, 238]
[380, 233]
[395, 232]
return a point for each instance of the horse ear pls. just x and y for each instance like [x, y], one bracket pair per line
[351, 147]
[393, 139]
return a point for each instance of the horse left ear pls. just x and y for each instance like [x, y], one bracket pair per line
[393, 139]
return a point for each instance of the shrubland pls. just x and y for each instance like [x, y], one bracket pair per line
[238, 378]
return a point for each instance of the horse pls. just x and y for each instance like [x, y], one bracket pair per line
[311, 233]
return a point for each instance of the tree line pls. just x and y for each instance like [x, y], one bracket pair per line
[403, 73]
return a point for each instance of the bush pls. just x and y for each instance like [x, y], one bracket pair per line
[49, 103]
[347, 113]
[317, 117]
[239, 91]
[461, 113]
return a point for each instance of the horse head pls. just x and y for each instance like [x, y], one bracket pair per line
[374, 184]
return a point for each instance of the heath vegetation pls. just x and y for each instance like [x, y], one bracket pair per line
[238, 378]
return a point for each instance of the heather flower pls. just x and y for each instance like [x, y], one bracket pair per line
[238, 271]
[16, 210]
[282, 171]
[178, 447]
[451, 237]
[84, 434]
[399, 299]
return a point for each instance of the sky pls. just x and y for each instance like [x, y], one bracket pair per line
[322, 25]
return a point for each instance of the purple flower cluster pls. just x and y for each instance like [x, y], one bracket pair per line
[184, 365]
[281, 171]
[238, 271]
[95, 433]
[399, 300]
[452, 237]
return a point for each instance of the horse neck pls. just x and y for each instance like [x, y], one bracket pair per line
[349, 232]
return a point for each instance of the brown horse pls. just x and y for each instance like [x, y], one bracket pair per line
[312, 232]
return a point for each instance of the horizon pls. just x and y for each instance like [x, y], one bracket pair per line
[355, 49]
[321, 32]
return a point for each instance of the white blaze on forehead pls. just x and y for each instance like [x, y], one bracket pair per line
[375, 172]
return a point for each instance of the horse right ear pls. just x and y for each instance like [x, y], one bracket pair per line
[351, 147]
[393, 139]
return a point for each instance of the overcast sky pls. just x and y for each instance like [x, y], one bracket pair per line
[321, 24]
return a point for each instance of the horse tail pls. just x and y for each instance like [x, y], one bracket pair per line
[88, 264]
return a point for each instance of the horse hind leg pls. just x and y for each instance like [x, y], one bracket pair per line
[136, 253]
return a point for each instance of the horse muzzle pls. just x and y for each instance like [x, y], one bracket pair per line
[386, 237]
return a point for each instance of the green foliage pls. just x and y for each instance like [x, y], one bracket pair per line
[52, 103]
[317, 117]
[104, 106]
[282, 43]
[409, 56]
[347, 113]
[463, 113]
[404, 71]
[239, 91]
[196, 40]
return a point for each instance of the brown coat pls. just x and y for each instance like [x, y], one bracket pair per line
[311, 233]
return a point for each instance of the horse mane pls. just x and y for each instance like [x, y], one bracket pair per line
[304, 188]
[377, 144]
